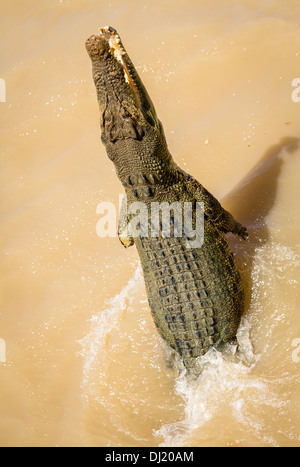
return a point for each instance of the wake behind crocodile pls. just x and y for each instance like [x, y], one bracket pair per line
[224, 385]
[230, 387]
[225, 381]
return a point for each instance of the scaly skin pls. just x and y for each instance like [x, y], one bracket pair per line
[195, 294]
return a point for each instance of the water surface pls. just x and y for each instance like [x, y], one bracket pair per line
[82, 363]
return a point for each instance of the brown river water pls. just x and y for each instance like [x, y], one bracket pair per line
[81, 363]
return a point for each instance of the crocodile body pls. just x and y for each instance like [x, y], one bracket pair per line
[195, 293]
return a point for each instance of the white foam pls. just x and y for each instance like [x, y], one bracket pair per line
[231, 385]
[228, 383]
[102, 324]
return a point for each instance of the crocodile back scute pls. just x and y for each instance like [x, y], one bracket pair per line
[195, 294]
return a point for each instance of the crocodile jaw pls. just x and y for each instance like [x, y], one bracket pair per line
[119, 87]
[118, 51]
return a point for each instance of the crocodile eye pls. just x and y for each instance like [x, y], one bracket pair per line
[107, 116]
[124, 113]
[140, 132]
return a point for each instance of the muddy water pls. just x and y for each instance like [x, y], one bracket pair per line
[81, 363]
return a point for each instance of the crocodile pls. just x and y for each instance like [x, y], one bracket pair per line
[194, 291]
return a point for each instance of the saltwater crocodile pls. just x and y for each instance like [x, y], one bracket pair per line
[195, 292]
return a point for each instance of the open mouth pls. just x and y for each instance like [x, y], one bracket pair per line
[115, 74]
[117, 49]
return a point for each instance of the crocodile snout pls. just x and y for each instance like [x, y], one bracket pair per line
[107, 40]
[96, 45]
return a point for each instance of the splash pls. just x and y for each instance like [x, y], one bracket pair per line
[235, 391]
[230, 383]
[224, 377]
[103, 323]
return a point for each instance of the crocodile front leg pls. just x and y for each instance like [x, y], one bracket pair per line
[222, 219]
[124, 231]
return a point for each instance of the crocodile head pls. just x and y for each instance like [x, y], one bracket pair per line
[130, 128]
